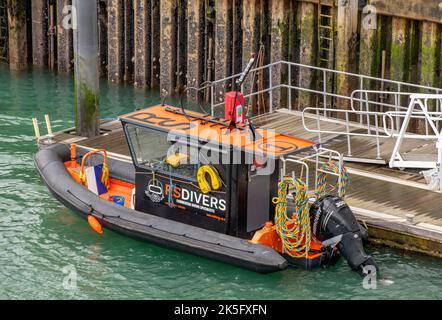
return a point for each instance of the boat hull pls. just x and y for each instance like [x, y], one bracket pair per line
[49, 163]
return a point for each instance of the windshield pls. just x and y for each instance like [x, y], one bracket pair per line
[150, 150]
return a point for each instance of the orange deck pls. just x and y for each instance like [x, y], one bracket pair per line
[117, 187]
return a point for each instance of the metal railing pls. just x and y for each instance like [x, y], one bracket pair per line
[294, 84]
[432, 120]
[383, 114]
[316, 156]
[374, 128]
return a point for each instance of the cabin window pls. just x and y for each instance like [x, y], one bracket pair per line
[150, 149]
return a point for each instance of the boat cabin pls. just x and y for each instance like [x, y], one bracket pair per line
[199, 170]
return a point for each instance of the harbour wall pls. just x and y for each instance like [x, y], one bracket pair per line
[171, 44]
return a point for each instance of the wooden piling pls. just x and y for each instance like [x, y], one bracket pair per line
[52, 34]
[439, 71]
[181, 45]
[222, 46]
[398, 55]
[428, 62]
[142, 40]
[429, 54]
[155, 48]
[237, 35]
[195, 45]
[39, 33]
[307, 52]
[65, 51]
[115, 68]
[18, 45]
[279, 48]
[369, 51]
[250, 39]
[102, 38]
[346, 47]
[128, 41]
[168, 51]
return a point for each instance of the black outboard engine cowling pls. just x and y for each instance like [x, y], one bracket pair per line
[332, 220]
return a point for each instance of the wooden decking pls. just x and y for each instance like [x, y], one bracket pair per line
[396, 205]
[363, 149]
[111, 139]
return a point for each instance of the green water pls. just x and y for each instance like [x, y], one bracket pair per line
[40, 239]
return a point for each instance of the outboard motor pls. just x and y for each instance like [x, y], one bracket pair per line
[332, 221]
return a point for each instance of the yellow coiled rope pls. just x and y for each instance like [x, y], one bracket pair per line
[295, 239]
[333, 167]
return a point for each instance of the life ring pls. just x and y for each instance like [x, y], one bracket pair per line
[215, 180]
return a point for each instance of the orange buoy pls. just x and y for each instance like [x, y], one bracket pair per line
[95, 224]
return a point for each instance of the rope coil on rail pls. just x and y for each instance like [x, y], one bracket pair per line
[295, 233]
[332, 167]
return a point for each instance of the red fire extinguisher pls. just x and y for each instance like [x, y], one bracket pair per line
[234, 108]
[234, 100]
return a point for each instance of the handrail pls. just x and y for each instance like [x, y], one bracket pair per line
[396, 160]
[302, 163]
[320, 153]
[347, 123]
[324, 92]
[380, 113]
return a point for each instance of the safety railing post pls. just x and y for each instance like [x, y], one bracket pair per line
[426, 122]
[347, 124]
[316, 172]
[212, 105]
[439, 159]
[318, 123]
[361, 87]
[324, 91]
[341, 161]
[378, 142]
[367, 108]
[397, 101]
[290, 86]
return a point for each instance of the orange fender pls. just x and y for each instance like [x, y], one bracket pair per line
[95, 224]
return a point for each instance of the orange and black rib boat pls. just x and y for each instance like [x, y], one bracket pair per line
[199, 184]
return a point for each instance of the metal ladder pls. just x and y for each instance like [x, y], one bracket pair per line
[326, 47]
[3, 32]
